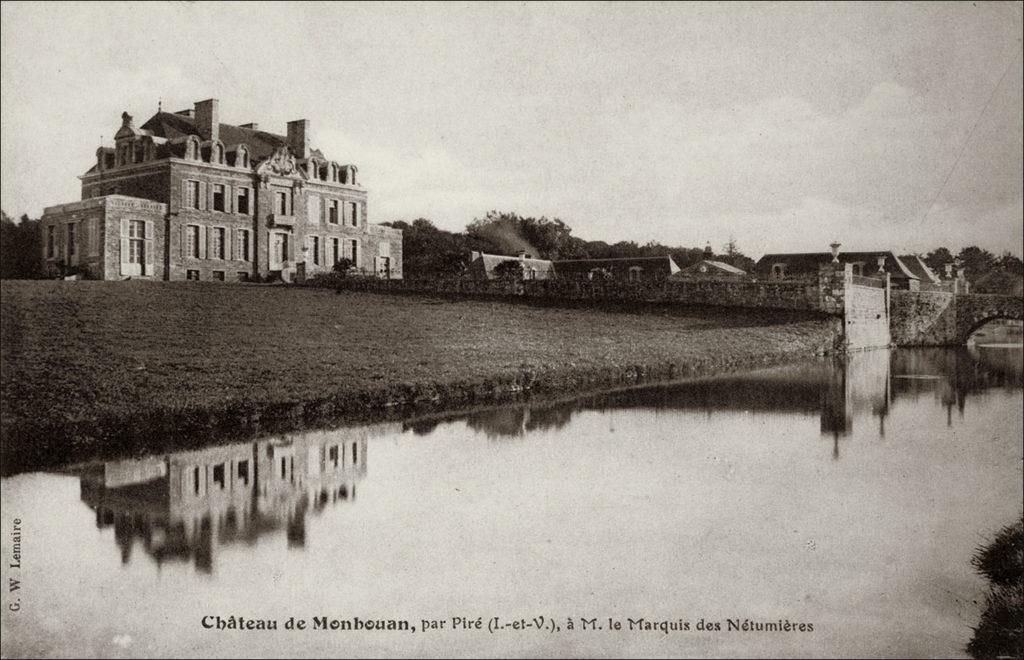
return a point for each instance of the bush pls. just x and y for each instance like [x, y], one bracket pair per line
[1002, 560]
[1000, 632]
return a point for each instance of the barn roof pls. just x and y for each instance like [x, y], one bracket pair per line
[659, 265]
[808, 262]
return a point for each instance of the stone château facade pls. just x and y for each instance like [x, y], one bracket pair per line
[185, 196]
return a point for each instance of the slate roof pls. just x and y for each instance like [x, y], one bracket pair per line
[918, 267]
[488, 262]
[174, 127]
[718, 265]
[618, 267]
[808, 262]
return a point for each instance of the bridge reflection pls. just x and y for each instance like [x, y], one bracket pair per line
[181, 506]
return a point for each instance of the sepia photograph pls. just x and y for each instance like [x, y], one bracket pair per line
[511, 329]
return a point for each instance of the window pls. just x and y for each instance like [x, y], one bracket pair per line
[281, 205]
[192, 249]
[218, 197]
[334, 252]
[355, 454]
[634, 273]
[242, 205]
[353, 251]
[51, 236]
[218, 154]
[140, 152]
[243, 276]
[108, 160]
[333, 212]
[192, 195]
[315, 244]
[218, 275]
[858, 269]
[94, 237]
[779, 270]
[242, 249]
[192, 274]
[195, 480]
[71, 240]
[332, 455]
[243, 472]
[218, 475]
[384, 249]
[353, 213]
[136, 236]
[217, 249]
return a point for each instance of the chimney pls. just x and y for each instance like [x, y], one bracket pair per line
[708, 252]
[186, 113]
[208, 119]
[298, 137]
[253, 126]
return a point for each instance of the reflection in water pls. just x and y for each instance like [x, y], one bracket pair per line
[181, 506]
[863, 386]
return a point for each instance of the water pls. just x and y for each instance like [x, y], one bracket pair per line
[848, 498]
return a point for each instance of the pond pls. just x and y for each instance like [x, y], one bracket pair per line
[816, 509]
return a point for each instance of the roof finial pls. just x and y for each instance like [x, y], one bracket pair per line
[160, 104]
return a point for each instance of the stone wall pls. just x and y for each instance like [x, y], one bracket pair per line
[923, 318]
[785, 294]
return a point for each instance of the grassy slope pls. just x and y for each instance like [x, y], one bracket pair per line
[75, 351]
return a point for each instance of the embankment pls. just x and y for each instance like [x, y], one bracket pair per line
[94, 368]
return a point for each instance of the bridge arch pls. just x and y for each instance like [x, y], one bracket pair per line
[974, 311]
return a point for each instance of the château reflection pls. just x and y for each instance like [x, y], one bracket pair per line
[858, 390]
[181, 506]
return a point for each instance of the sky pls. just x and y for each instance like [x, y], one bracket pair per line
[783, 126]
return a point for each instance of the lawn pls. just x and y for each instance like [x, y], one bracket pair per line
[77, 353]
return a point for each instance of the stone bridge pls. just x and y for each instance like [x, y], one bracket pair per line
[939, 318]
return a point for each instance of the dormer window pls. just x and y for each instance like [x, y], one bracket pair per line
[779, 271]
[217, 154]
[192, 148]
[140, 152]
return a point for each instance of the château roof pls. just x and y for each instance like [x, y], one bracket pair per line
[173, 126]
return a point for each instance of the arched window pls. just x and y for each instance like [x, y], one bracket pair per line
[218, 154]
[634, 273]
[779, 271]
[858, 269]
[192, 148]
[140, 152]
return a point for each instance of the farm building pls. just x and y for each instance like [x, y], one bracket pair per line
[865, 264]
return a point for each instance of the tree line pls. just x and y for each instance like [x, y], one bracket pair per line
[428, 250]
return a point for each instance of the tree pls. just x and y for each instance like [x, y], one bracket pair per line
[509, 270]
[937, 260]
[976, 262]
[543, 238]
[20, 248]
